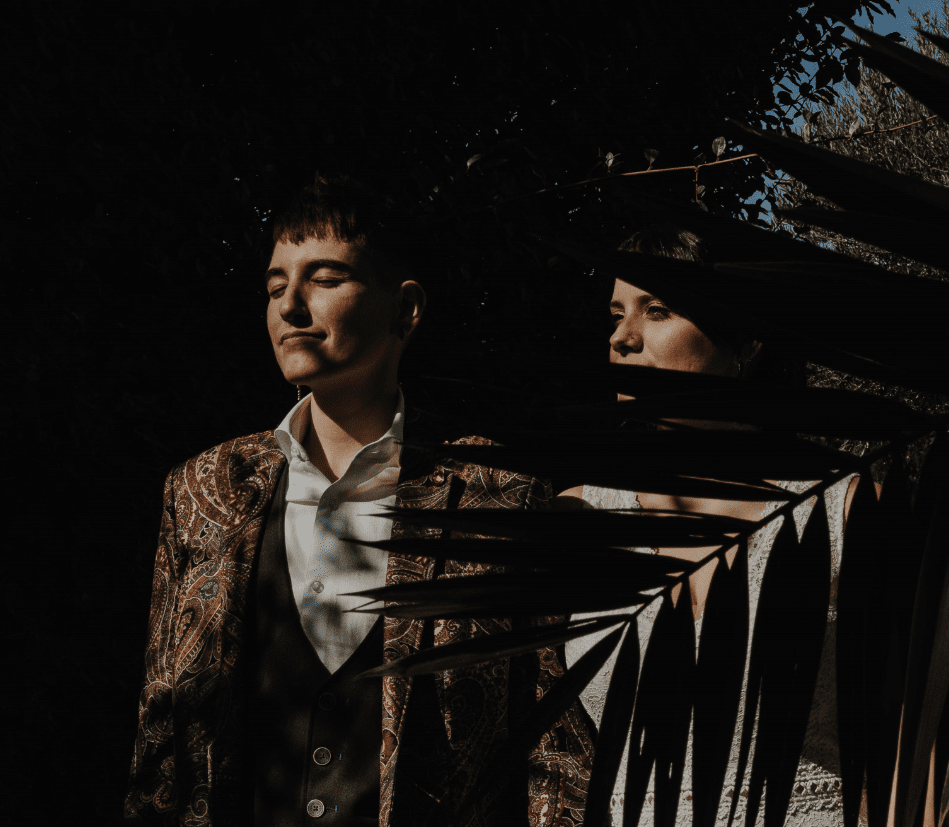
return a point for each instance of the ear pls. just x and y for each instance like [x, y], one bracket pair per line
[411, 301]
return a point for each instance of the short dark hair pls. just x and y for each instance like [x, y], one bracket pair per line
[342, 207]
[665, 239]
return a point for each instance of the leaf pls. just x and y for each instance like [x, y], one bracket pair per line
[718, 146]
[619, 563]
[788, 685]
[474, 159]
[565, 692]
[732, 454]
[934, 38]
[632, 527]
[507, 593]
[699, 190]
[731, 239]
[853, 73]
[902, 236]
[884, 675]
[858, 595]
[719, 676]
[467, 653]
[927, 667]
[699, 159]
[663, 710]
[651, 155]
[922, 77]
[614, 728]
[854, 183]
[785, 654]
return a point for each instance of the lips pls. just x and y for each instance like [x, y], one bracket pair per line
[290, 336]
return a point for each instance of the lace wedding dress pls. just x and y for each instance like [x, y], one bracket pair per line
[816, 799]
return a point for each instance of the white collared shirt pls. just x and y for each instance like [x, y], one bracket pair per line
[318, 513]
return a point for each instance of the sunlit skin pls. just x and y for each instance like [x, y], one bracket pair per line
[348, 353]
[650, 333]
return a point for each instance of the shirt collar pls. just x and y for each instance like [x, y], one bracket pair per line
[293, 427]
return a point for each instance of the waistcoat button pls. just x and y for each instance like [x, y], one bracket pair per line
[327, 700]
[317, 586]
[315, 808]
[322, 756]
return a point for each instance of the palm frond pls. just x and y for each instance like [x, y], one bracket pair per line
[849, 183]
[718, 683]
[923, 78]
[497, 594]
[640, 528]
[559, 556]
[555, 702]
[660, 726]
[927, 667]
[800, 580]
[906, 237]
[614, 728]
[892, 644]
[727, 455]
[859, 681]
[467, 653]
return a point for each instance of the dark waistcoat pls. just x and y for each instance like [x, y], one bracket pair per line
[316, 736]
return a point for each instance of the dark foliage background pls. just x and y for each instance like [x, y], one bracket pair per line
[143, 147]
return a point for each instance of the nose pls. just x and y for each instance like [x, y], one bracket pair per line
[292, 304]
[626, 339]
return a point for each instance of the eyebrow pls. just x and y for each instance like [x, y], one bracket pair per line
[312, 266]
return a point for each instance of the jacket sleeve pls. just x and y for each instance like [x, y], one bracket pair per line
[559, 766]
[152, 794]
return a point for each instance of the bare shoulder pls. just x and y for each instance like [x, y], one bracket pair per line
[570, 500]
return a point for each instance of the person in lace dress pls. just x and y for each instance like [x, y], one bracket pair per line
[647, 331]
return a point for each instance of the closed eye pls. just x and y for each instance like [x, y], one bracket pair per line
[275, 293]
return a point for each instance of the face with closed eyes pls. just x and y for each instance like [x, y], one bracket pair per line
[330, 320]
[647, 332]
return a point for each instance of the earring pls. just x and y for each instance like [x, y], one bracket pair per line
[299, 393]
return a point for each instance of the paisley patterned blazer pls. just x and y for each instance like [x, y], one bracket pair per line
[191, 764]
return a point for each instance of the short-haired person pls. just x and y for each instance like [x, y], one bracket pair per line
[249, 713]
